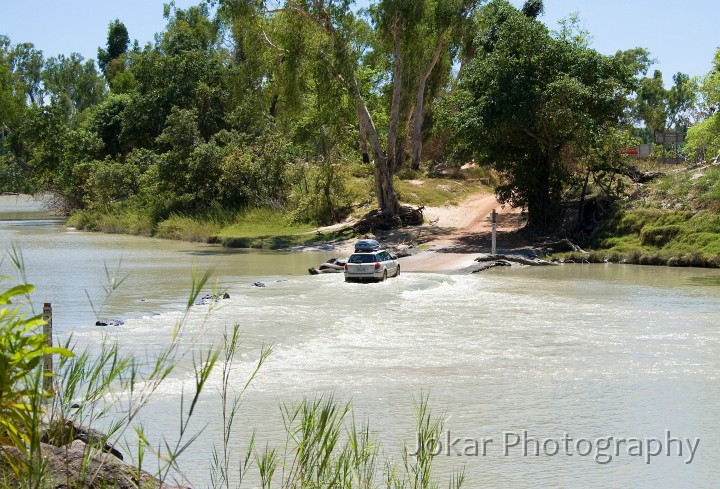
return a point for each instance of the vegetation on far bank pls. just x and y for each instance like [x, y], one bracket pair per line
[252, 125]
[276, 228]
[673, 220]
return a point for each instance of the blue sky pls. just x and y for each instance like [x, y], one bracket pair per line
[682, 36]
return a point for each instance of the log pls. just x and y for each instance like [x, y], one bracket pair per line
[516, 259]
[561, 246]
[492, 264]
[374, 219]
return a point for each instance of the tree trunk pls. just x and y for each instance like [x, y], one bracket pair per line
[396, 98]
[581, 206]
[384, 189]
[420, 106]
[417, 129]
[383, 168]
[363, 141]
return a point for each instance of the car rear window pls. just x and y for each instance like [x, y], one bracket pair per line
[362, 258]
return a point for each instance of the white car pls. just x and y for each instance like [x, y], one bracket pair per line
[375, 265]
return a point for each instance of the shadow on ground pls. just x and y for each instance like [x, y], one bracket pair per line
[511, 235]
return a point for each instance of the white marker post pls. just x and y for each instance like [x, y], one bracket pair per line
[494, 232]
[48, 361]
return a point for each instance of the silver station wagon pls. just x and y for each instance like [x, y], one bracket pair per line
[376, 265]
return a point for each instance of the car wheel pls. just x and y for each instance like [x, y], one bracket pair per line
[384, 277]
[397, 271]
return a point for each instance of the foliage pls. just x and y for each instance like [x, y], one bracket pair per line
[528, 103]
[117, 44]
[673, 221]
[703, 139]
[241, 104]
[23, 393]
[662, 233]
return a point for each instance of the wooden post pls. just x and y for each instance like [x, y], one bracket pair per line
[48, 362]
[494, 232]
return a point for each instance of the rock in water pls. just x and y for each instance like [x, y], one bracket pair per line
[73, 466]
[208, 298]
[109, 322]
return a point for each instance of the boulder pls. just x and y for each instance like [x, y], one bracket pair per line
[79, 465]
[333, 265]
[59, 433]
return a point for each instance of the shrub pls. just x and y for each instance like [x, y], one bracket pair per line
[22, 390]
[319, 193]
[659, 235]
[187, 229]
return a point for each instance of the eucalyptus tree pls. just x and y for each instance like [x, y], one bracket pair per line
[73, 84]
[526, 104]
[437, 32]
[651, 104]
[12, 106]
[27, 64]
[338, 23]
[12, 92]
[682, 98]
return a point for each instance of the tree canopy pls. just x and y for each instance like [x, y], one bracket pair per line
[529, 102]
[240, 104]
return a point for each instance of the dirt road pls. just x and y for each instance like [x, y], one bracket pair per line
[468, 230]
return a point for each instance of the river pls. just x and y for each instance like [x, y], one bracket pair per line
[576, 357]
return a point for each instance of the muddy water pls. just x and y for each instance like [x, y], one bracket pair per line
[577, 357]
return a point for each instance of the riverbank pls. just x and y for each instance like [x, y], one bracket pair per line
[671, 220]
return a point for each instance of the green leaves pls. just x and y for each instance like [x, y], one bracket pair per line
[22, 348]
[528, 105]
[14, 291]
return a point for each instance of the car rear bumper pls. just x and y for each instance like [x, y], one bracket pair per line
[364, 275]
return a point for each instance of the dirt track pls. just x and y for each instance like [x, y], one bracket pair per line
[468, 230]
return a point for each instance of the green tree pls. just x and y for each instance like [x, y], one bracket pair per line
[73, 84]
[118, 41]
[703, 139]
[431, 39]
[533, 8]
[339, 24]
[185, 70]
[527, 103]
[27, 64]
[11, 101]
[681, 101]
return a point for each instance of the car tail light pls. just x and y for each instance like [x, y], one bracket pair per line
[346, 267]
[377, 265]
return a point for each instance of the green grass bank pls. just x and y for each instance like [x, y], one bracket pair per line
[673, 221]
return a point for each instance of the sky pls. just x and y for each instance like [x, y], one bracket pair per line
[681, 36]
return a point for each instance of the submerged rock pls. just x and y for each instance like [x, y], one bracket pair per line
[109, 322]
